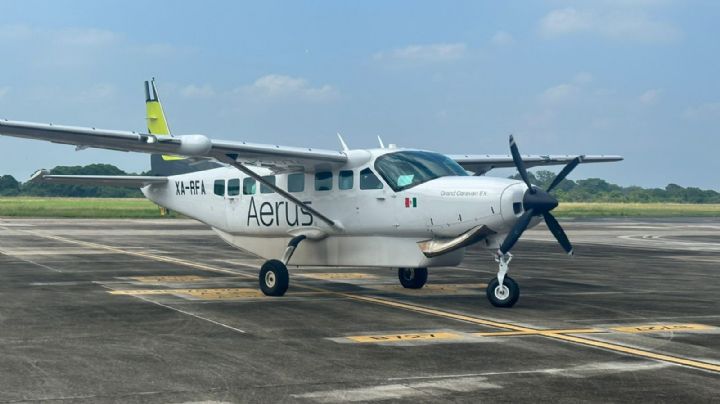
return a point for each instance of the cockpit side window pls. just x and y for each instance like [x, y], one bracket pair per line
[368, 180]
[406, 169]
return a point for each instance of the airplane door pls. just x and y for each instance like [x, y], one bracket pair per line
[233, 201]
[378, 200]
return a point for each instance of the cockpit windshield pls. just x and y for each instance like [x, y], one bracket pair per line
[406, 169]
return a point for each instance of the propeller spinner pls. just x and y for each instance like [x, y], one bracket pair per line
[537, 203]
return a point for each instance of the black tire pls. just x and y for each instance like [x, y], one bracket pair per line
[412, 278]
[274, 278]
[498, 300]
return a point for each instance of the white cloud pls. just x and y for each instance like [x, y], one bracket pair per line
[193, 91]
[560, 93]
[4, 91]
[632, 24]
[432, 53]
[83, 37]
[558, 98]
[651, 96]
[73, 47]
[583, 78]
[635, 3]
[565, 21]
[278, 86]
[502, 38]
[709, 110]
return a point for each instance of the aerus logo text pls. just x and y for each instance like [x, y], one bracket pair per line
[278, 213]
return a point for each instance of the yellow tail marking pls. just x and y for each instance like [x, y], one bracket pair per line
[156, 122]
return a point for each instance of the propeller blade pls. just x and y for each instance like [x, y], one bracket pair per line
[564, 173]
[558, 232]
[519, 164]
[516, 231]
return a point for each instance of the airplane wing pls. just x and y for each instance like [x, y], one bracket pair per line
[278, 158]
[130, 181]
[480, 164]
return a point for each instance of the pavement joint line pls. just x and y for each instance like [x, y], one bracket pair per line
[617, 348]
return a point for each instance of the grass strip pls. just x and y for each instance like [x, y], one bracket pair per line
[99, 208]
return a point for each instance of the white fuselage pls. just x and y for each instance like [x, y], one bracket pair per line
[376, 227]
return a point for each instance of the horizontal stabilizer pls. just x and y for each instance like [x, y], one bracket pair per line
[128, 181]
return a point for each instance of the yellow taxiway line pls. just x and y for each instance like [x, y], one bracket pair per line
[613, 347]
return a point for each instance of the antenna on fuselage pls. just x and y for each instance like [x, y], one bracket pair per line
[342, 142]
[382, 145]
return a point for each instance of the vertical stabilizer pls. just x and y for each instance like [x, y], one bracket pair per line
[156, 121]
[157, 125]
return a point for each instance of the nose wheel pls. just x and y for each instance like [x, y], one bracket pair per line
[412, 278]
[503, 291]
[503, 296]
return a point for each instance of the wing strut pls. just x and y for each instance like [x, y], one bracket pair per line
[232, 160]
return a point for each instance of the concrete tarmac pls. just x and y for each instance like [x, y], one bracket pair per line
[164, 311]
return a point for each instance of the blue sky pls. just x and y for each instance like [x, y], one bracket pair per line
[637, 78]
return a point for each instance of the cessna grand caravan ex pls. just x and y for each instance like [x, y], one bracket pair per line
[385, 207]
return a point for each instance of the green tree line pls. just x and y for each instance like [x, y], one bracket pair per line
[599, 190]
[9, 186]
[587, 190]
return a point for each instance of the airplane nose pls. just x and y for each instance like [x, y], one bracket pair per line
[539, 201]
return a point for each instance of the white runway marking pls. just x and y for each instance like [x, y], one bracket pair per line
[31, 262]
[575, 371]
[187, 313]
[400, 391]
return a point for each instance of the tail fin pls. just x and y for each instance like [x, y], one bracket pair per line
[157, 125]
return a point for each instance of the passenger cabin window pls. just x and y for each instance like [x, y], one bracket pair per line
[323, 181]
[296, 182]
[345, 179]
[368, 180]
[234, 187]
[264, 189]
[219, 188]
[249, 185]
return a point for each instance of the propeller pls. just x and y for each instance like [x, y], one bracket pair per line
[538, 203]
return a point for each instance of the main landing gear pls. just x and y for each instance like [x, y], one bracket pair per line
[412, 278]
[274, 277]
[503, 291]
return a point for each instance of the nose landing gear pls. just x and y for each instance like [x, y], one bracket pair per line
[503, 291]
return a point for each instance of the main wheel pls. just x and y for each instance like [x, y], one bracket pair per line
[503, 296]
[412, 278]
[274, 279]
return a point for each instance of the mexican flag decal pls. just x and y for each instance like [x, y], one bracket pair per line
[411, 202]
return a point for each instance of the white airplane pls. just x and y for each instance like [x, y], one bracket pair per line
[386, 207]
